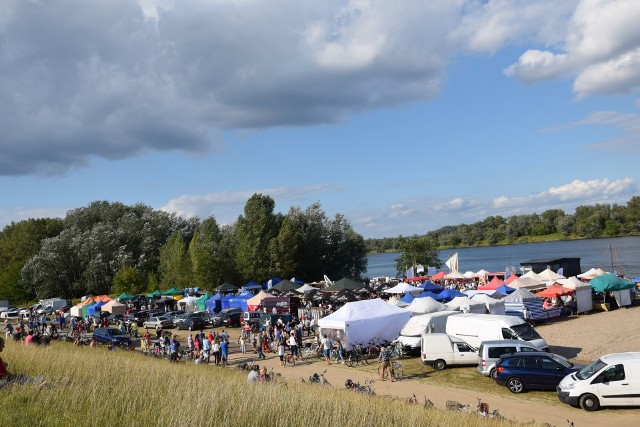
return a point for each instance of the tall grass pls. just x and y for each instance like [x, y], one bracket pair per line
[101, 388]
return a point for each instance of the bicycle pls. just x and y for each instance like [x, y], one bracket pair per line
[397, 349]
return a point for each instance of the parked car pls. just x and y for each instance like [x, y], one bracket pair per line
[153, 322]
[533, 370]
[443, 350]
[612, 380]
[228, 317]
[491, 351]
[111, 335]
[191, 323]
[113, 319]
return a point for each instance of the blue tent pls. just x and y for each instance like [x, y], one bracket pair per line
[448, 295]
[95, 309]
[407, 298]
[252, 285]
[214, 304]
[245, 294]
[427, 294]
[431, 287]
[636, 280]
[505, 290]
[224, 302]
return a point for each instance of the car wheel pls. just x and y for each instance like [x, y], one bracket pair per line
[515, 385]
[493, 374]
[589, 402]
[439, 364]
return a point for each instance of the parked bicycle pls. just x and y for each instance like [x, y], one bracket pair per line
[356, 356]
[318, 379]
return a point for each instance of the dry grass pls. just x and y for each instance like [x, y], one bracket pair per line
[101, 388]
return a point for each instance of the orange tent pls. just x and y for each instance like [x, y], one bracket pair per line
[554, 291]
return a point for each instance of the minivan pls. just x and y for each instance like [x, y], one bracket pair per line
[228, 317]
[254, 317]
[612, 380]
[491, 351]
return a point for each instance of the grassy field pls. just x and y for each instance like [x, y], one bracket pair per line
[101, 388]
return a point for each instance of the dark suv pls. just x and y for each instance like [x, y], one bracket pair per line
[191, 323]
[228, 317]
[533, 370]
[111, 335]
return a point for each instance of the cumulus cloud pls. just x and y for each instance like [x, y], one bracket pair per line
[118, 78]
[599, 48]
[227, 205]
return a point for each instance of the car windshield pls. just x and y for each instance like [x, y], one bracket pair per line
[525, 331]
[561, 360]
[590, 370]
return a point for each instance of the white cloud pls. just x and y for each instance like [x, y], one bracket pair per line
[627, 125]
[600, 48]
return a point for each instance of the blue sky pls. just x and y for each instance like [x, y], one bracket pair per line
[404, 116]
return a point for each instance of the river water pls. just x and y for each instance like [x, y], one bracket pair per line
[592, 253]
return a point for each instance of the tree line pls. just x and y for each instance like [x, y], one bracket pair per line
[107, 248]
[600, 220]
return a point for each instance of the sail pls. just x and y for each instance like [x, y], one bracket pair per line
[452, 262]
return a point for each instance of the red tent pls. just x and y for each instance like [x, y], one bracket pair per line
[438, 276]
[415, 279]
[554, 291]
[494, 284]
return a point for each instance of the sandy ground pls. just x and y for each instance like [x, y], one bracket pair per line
[581, 338]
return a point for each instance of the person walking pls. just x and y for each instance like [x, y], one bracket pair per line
[242, 340]
[326, 347]
[293, 345]
[385, 363]
[224, 351]
[206, 349]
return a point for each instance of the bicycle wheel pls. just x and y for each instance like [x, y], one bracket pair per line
[349, 361]
[364, 360]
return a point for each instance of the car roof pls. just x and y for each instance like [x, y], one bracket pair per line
[527, 354]
[505, 343]
[621, 357]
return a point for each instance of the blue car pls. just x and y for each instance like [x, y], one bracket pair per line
[111, 335]
[533, 370]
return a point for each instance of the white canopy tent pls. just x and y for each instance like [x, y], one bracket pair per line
[533, 276]
[454, 275]
[306, 288]
[424, 305]
[493, 306]
[397, 302]
[360, 321]
[526, 283]
[469, 275]
[583, 295]
[403, 288]
[549, 277]
[187, 304]
[465, 304]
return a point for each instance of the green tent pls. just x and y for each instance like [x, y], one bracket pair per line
[155, 294]
[173, 291]
[85, 309]
[200, 301]
[345, 283]
[125, 296]
[609, 282]
[286, 285]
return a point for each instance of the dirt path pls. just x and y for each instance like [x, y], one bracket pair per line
[583, 338]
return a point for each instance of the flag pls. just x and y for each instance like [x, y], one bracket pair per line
[561, 271]
[452, 262]
[419, 268]
[409, 273]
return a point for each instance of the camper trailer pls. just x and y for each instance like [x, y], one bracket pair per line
[411, 333]
[475, 328]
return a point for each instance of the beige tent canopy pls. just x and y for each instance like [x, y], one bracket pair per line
[114, 307]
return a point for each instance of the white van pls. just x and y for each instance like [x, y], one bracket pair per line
[411, 333]
[490, 352]
[612, 380]
[441, 350]
[475, 328]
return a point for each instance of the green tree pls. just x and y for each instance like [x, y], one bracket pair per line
[175, 264]
[127, 279]
[420, 250]
[254, 232]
